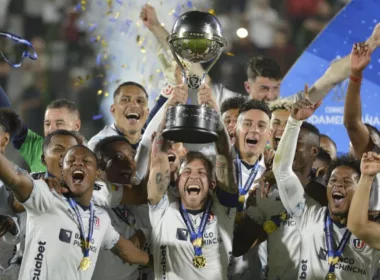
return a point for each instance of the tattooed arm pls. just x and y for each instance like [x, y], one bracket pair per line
[159, 175]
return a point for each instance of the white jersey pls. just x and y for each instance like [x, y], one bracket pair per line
[53, 246]
[126, 220]
[107, 131]
[358, 261]
[252, 264]
[172, 250]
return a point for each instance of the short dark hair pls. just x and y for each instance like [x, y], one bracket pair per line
[62, 132]
[324, 156]
[64, 103]
[313, 130]
[348, 161]
[10, 121]
[261, 66]
[328, 137]
[232, 103]
[130, 83]
[81, 146]
[100, 147]
[193, 155]
[255, 105]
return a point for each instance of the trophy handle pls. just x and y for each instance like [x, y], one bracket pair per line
[183, 70]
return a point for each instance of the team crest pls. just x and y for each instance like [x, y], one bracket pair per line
[358, 244]
[97, 223]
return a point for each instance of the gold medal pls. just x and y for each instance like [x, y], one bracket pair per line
[333, 261]
[241, 199]
[330, 276]
[85, 263]
[198, 242]
[269, 227]
[199, 261]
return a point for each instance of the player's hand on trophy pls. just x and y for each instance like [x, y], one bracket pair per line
[149, 17]
[205, 97]
[179, 96]
[303, 108]
[360, 58]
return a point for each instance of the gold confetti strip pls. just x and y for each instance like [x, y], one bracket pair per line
[212, 11]
[117, 15]
[230, 54]
[143, 50]
[138, 38]
[158, 70]
[104, 44]
[124, 66]
[151, 77]
[106, 94]
[100, 92]
[171, 12]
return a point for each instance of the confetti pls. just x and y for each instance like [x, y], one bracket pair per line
[143, 50]
[230, 54]
[100, 92]
[106, 94]
[212, 11]
[97, 117]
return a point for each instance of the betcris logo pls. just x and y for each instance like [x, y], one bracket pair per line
[38, 260]
[303, 267]
[163, 260]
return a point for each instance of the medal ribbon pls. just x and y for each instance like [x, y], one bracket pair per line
[243, 190]
[332, 254]
[86, 242]
[196, 238]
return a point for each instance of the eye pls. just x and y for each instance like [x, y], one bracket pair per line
[119, 156]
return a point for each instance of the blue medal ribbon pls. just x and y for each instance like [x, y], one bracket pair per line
[333, 256]
[86, 241]
[194, 237]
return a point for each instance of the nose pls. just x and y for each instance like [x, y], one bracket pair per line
[78, 162]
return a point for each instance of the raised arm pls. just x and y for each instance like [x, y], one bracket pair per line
[290, 188]
[357, 131]
[20, 184]
[358, 222]
[339, 71]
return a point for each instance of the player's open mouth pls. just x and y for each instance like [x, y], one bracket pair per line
[193, 190]
[133, 116]
[78, 176]
[252, 142]
[338, 197]
[126, 173]
[171, 158]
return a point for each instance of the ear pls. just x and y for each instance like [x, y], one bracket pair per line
[212, 185]
[5, 140]
[98, 174]
[43, 159]
[112, 110]
[77, 125]
[247, 87]
[314, 152]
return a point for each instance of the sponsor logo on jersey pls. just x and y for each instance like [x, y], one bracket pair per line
[97, 223]
[346, 264]
[358, 244]
[303, 274]
[38, 260]
[163, 260]
[182, 234]
[65, 235]
[78, 242]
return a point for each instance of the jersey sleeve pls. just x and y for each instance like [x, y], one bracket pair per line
[40, 200]
[111, 236]
[31, 151]
[156, 212]
[291, 191]
[107, 195]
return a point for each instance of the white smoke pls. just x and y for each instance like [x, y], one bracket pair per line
[125, 45]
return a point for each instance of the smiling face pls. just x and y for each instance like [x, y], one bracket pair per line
[120, 164]
[278, 123]
[340, 190]
[79, 171]
[252, 133]
[230, 119]
[130, 109]
[194, 183]
[60, 118]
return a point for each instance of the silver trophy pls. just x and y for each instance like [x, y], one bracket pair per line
[196, 37]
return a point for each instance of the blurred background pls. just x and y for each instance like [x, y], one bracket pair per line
[67, 65]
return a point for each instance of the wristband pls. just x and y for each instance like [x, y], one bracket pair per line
[355, 79]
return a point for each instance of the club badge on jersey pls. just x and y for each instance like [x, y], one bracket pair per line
[199, 261]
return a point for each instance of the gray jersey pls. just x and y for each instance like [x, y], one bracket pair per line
[107, 131]
[53, 248]
[172, 250]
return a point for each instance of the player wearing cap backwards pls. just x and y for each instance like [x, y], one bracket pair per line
[328, 249]
[65, 232]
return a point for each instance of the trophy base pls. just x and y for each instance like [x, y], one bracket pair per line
[191, 124]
